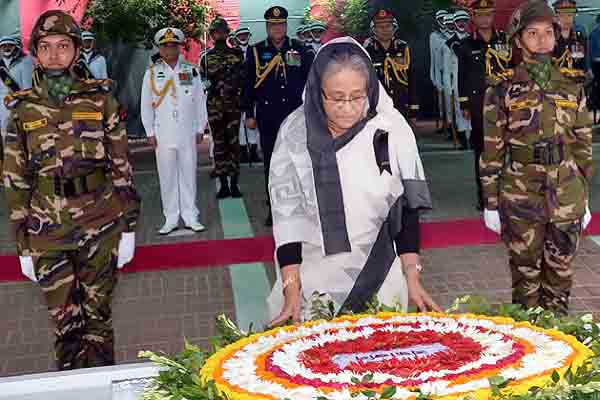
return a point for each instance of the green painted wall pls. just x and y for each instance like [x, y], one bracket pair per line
[9, 17]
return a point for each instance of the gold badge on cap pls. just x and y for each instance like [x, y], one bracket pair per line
[483, 3]
[382, 13]
[276, 12]
[169, 35]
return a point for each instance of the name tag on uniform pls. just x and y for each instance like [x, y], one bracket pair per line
[293, 58]
[185, 78]
[40, 123]
[86, 116]
[266, 56]
[566, 104]
[520, 105]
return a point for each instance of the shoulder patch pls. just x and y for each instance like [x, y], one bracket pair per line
[15, 98]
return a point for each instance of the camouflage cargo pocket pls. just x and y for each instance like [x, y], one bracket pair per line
[41, 142]
[88, 128]
[524, 115]
[566, 112]
[570, 195]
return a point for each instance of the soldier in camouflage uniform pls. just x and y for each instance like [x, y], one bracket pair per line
[536, 168]
[223, 66]
[70, 193]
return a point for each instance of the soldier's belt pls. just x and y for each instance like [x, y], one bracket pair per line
[546, 154]
[72, 187]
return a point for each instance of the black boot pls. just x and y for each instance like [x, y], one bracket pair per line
[254, 157]
[244, 154]
[462, 139]
[224, 191]
[235, 190]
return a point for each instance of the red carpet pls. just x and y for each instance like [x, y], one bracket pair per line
[468, 232]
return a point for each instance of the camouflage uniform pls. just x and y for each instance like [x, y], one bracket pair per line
[223, 66]
[70, 196]
[536, 170]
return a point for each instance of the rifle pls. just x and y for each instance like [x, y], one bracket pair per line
[453, 109]
[247, 142]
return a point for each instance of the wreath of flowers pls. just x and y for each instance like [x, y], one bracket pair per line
[444, 356]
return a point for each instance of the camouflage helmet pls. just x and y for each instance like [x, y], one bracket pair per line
[219, 23]
[51, 23]
[527, 13]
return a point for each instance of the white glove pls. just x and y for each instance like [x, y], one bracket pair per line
[27, 267]
[492, 220]
[126, 248]
[587, 217]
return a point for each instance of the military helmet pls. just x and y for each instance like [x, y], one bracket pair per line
[219, 23]
[527, 13]
[51, 23]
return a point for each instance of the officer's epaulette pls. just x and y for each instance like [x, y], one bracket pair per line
[572, 73]
[91, 85]
[15, 98]
[497, 78]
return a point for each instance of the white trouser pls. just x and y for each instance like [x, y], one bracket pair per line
[177, 175]
[251, 133]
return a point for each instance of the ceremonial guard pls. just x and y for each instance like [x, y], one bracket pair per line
[483, 55]
[536, 167]
[16, 69]
[173, 108]
[571, 50]
[94, 61]
[69, 188]
[392, 60]
[276, 72]
[315, 30]
[223, 66]
[248, 137]
[460, 124]
[437, 39]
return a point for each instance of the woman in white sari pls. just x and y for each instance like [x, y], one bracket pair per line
[346, 186]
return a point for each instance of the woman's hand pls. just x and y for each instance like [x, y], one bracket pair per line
[417, 293]
[292, 292]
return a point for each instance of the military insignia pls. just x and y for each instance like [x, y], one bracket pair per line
[86, 116]
[185, 78]
[382, 14]
[483, 3]
[293, 58]
[566, 104]
[30, 126]
[276, 12]
[169, 36]
[266, 56]
[160, 75]
[520, 105]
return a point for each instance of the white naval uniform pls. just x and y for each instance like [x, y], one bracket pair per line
[436, 41]
[450, 78]
[251, 133]
[175, 122]
[20, 70]
[96, 64]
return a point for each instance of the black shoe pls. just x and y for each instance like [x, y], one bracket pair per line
[254, 157]
[224, 191]
[235, 190]
[244, 155]
[269, 221]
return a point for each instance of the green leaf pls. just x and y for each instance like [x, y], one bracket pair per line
[355, 380]
[369, 393]
[388, 392]
[555, 376]
[367, 378]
